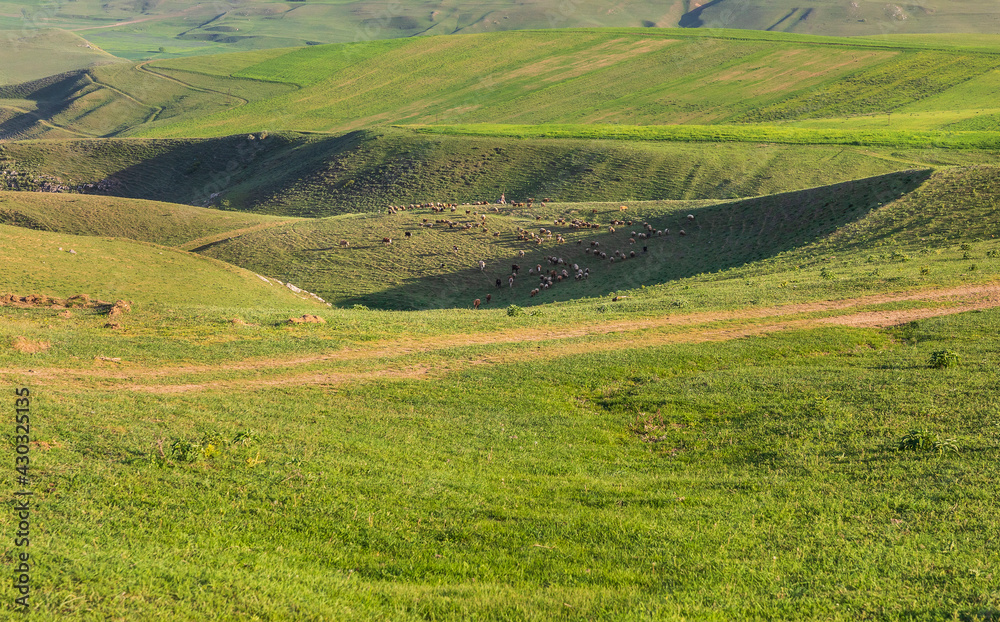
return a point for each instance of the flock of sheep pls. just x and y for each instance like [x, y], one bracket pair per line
[558, 269]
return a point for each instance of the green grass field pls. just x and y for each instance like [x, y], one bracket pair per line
[587, 458]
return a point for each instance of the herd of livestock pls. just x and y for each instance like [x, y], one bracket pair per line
[557, 269]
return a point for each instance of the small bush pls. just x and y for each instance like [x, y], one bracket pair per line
[925, 440]
[944, 358]
[680, 302]
[925, 271]
[515, 311]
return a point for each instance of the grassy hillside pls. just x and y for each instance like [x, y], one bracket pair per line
[62, 265]
[168, 224]
[597, 76]
[319, 175]
[32, 54]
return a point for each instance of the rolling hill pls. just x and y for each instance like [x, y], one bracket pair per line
[435, 266]
[33, 54]
[319, 175]
[636, 76]
[166, 28]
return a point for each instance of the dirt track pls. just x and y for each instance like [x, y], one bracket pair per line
[388, 359]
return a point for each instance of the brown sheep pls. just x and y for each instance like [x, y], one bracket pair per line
[475, 303]
[344, 243]
[387, 241]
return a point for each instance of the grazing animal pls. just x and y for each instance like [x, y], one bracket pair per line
[514, 268]
[623, 208]
[387, 241]
[681, 232]
[690, 216]
[510, 281]
[344, 244]
[482, 265]
[498, 283]
[520, 253]
[489, 297]
[475, 303]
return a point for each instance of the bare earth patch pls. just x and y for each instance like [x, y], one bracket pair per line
[29, 346]
[387, 359]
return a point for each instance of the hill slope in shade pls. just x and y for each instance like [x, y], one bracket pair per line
[316, 175]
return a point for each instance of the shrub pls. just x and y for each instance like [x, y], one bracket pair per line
[924, 440]
[514, 311]
[925, 271]
[944, 358]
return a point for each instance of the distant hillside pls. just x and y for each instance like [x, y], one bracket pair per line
[626, 76]
[31, 54]
[318, 175]
[168, 28]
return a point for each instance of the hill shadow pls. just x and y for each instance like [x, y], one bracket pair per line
[692, 19]
[718, 237]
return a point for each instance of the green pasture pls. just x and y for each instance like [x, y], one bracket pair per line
[765, 477]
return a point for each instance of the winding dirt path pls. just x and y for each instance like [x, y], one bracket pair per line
[391, 359]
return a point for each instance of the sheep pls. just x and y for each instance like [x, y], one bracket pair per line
[534, 292]
[489, 297]
[475, 303]
[611, 229]
[387, 241]
[498, 284]
[690, 216]
[514, 268]
[520, 253]
[482, 265]
[407, 234]
[510, 281]
[623, 208]
[344, 244]
[632, 253]
[681, 232]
